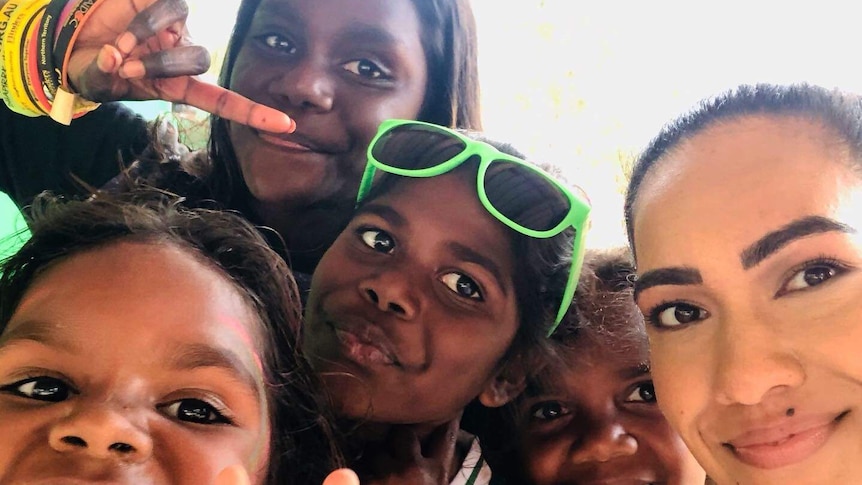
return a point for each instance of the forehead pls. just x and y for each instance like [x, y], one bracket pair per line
[397, 20]
[728, 185]
[447, 208]
[138, 294]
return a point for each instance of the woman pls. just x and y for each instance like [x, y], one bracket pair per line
[744, 220]
[336, 68]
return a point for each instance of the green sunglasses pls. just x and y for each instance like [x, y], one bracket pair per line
[517, 193]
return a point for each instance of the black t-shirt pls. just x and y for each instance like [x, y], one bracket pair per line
[38, 154]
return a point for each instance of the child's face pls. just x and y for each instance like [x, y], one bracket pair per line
[413, 307]
[130, 363]
[597, 422]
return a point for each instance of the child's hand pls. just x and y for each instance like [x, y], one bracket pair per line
[141, 49]
[403, 459]
[236, 475]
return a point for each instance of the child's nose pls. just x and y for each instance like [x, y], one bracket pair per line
[103, 433]
[605, 441]
[390, 294]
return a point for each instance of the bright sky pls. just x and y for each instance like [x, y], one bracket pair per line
[585, 84]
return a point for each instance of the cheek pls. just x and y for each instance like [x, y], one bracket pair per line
[543, 457]
[24, 437]
[679, 384]
[199, 458]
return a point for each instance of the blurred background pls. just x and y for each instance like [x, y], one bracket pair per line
[585, 85]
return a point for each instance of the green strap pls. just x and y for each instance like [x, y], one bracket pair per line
[476, 470]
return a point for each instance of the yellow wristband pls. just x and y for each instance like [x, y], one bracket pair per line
[5, 12]
[13, 57]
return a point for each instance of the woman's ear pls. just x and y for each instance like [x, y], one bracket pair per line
[505, 385]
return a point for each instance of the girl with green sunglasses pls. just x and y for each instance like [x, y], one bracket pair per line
[438, 294]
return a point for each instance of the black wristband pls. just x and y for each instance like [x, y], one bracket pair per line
[49, 75]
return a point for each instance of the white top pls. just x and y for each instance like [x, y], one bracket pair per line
[474, 468]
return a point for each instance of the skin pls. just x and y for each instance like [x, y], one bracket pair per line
[597, 421]
[769, 347]
[106, 326]
[386, 324]
[339, 68]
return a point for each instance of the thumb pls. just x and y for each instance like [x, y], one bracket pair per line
[233, 475]
[343, 476]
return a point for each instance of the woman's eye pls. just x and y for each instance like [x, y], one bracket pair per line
[195, 411]
[462, 285]
[43, 388]
[279, 43]
[548, 411]
[366, 69]
[677, 314]
[377, 240]
[643, 392]
[810, 276]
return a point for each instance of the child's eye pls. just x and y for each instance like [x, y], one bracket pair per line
[278, 43]
[673, 315]
[42, 388]
[642, 392]
[549, 411]
[812, 273]
[367, 69]
[195, 411]
[377, 240]
[462, 285]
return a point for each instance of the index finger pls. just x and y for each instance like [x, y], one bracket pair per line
[235, 107]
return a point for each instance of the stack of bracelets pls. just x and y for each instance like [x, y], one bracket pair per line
[36, 37]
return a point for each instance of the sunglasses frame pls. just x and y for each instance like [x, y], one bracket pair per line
[577, 217]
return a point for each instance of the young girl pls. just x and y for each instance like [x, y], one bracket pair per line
[141, 342]
[451, 271]
[591, 415]
[744, 217]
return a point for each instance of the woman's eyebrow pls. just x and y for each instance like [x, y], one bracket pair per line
[777, 239]
[187, 357]
[681, 275]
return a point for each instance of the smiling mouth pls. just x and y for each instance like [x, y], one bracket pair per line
[770, 449]
[284, 143]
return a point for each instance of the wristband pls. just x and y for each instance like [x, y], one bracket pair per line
[5, 12]
[30, 61]
[14, 52]
[49, 77]
[67, 104]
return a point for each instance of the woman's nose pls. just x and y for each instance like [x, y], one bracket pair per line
[103, 433]
[752, 362]
[307, 85]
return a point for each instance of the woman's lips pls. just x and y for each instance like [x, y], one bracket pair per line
[784, 444]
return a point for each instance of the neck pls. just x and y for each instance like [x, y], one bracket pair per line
[369, 436]
[307, 230]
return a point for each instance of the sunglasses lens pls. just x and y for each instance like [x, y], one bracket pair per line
[526, 197]
[415, 147]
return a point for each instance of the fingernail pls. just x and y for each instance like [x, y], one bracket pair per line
[132, 70]
[126, 42]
